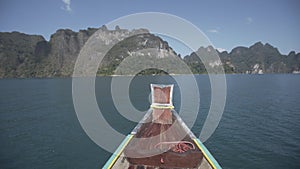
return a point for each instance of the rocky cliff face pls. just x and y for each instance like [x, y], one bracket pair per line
[17, 54]
[144, 47]
[24, 55]
[60, 53]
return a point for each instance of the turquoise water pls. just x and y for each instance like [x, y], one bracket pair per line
[259, 129]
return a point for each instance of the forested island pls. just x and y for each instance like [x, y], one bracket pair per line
[27, 56]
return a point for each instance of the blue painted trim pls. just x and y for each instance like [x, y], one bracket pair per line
[117, 153]
[212, 159]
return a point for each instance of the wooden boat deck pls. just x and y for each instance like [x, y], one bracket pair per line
[122, 163]
[161, 140]
[142, 149]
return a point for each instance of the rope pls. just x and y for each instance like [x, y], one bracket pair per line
[161, 107]
[178, 146]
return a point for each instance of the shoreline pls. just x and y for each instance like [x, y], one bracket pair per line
[66, 77]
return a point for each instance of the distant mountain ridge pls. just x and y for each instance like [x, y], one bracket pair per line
[24, 56]
[261, 58]
[257, 59]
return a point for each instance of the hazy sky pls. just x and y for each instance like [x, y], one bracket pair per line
[227, 23]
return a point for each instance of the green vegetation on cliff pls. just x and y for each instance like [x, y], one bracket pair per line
[23, 56]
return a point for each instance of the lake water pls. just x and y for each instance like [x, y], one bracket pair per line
[260, 127]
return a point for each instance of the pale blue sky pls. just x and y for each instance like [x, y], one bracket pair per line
[227, 23]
